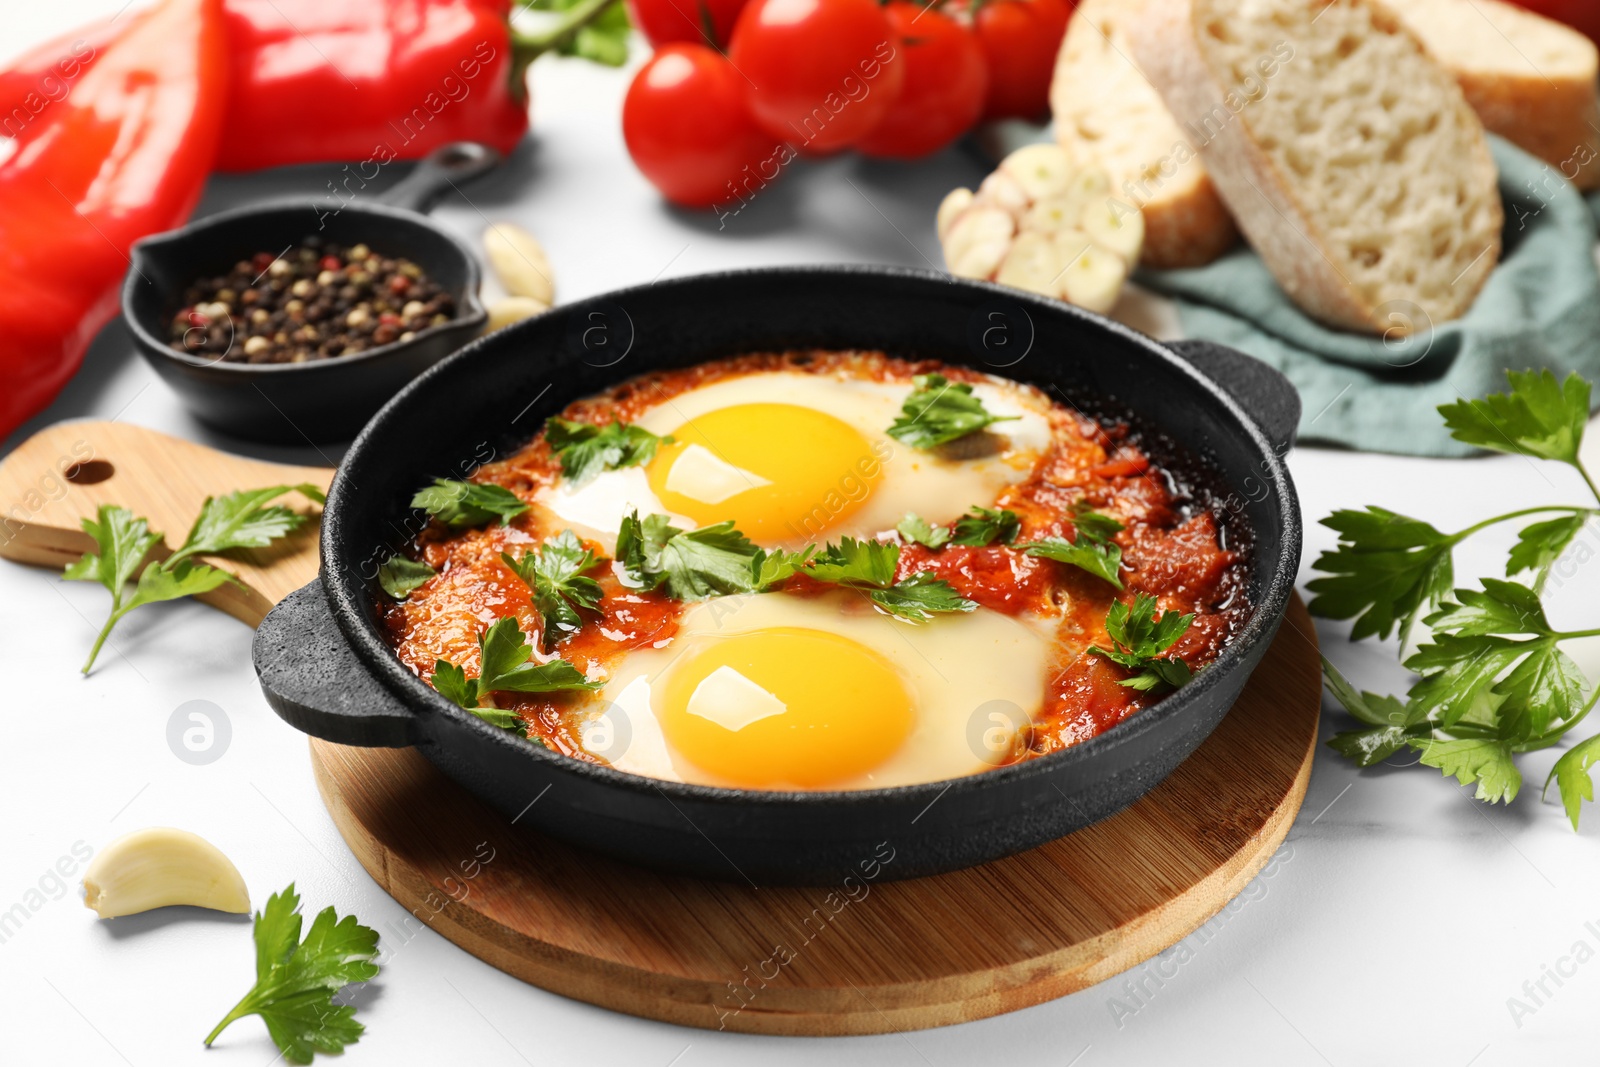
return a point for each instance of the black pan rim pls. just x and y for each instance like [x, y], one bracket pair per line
[354, 621]
[474, 313]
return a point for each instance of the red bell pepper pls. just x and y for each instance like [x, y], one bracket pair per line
[86, 173]
[315, 81]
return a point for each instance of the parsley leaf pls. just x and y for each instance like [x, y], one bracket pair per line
[919, 597]
[1473, 672]
[774, 568]
[1541, 544]
[236, 520]
[1483, 760]
[1571, 773]
[1390, 722]
[504, 665]
[586, 449]
[243, 520]
[400, 576]
[1092, 551]
[296, 981]
[917, 530]
[1141, 639]
[691, 564]
[1387, 570]
[869, 568]
[1500, 608]
[939, 411]
[857, 563]
[555, 573]
[459, 504]
[1540, 417]
[984, 526]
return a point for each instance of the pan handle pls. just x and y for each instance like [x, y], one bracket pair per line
[1266, 395]
[439, 173]
[315, 682]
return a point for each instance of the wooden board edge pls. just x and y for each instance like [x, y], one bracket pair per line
[959, 999]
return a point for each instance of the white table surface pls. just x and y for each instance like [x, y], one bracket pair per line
[1392, 928]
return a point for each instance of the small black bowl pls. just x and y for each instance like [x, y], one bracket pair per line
[324, 400]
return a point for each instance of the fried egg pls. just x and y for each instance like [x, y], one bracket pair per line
[780, 691]
[795, 458]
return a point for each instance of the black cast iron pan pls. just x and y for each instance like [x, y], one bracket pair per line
[324, 400]
[326, 669]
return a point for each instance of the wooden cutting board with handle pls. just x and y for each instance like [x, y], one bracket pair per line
[865, 956]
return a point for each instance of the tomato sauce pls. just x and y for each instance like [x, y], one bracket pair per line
[1172, 549]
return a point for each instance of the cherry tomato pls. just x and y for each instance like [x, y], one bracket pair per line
[665, 21]
[689, 131]
[1581, 15]
[825, 71]
[945, 84]
[1020, 39]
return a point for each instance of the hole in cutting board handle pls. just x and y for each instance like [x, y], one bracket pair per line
[90, 472]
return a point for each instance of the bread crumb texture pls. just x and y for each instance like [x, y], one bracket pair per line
[1373, 142]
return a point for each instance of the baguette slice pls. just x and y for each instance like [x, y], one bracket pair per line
[1349, 158]
[1531, 79]
[1107, 114]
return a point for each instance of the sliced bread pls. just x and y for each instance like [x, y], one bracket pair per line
[1356, 169]
[1529, 78]
[1107, 114]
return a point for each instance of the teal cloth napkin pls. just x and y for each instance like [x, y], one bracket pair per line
[1540, 308]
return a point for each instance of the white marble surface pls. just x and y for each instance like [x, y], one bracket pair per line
[1392, 928]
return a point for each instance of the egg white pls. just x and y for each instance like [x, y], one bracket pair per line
[940, 490]
[973, 680]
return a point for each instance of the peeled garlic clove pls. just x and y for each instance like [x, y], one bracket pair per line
[158, 867]
[1003, 191]
[1093, 277]
[511, 309]
[519, 262]
[1043, 170]
[1034, 263]
[1116, 227]
[978, 241]
[950, 209]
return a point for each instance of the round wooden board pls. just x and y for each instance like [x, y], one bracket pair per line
[869, 957]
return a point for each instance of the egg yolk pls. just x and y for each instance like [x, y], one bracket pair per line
[784, 707]
[781, 472]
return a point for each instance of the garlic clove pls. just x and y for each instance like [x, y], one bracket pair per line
[510, 309]
[1043, 170]
[1034, 263]
[978, 241]
[951, 208]
[1116, 228]
[1093, 276]
[519, 262]
[158, 867]
[1003, 191]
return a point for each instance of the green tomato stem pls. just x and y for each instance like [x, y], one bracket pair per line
[526, 47]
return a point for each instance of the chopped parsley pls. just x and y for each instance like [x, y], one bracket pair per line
[400, 576]
[556, 575]
[939, 411]
[1140, 642]
[586, 450]
[1092, 549]
[505, 665]
[461, 504]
